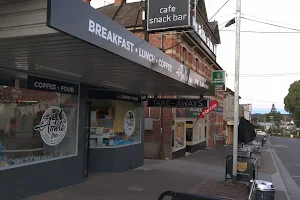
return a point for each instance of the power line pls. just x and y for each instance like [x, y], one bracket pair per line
[225, 15]
[267, 20]
[267, 75]
[270, 24]
[263, 32]
[218, 10]
[264, 101]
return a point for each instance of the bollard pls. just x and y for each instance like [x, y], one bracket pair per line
[292, 136]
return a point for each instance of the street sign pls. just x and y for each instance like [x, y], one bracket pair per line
[218, 79]
[178, 103]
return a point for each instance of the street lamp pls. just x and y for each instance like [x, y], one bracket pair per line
[236, 20]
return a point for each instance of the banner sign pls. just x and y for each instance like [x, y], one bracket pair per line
[218, 79]
[43, 84]
[168, 14]
[188, 112]
[178, 103]
[97, 29]
[212, 105]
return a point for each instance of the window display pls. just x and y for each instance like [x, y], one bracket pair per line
[115, 123]
[36, 124]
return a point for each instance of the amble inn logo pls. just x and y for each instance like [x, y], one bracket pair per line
[53, 126]
[129, 123]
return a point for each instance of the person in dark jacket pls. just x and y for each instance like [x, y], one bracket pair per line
[246, 132]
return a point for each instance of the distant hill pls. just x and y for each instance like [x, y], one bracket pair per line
[261, 117]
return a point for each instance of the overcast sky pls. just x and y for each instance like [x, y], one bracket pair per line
[261, 53]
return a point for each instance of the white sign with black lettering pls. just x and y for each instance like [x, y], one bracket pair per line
[129, 123]
[53, 126]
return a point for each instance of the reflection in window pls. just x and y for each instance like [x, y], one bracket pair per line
[22, 111]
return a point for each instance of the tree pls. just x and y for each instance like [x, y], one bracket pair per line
[292, 102]
[274, 116]
[273, 109]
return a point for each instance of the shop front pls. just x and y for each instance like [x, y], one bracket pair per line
[116, 125]
[195, 131]
[72, 85]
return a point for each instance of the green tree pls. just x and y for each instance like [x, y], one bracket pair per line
[274, 116]
[292, 102]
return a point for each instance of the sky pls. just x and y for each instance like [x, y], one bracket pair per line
[263, 55]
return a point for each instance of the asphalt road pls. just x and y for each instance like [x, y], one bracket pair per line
[288, 150]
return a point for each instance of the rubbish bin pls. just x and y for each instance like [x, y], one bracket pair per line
[264, 190]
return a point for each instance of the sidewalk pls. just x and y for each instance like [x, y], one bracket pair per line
[199, 173]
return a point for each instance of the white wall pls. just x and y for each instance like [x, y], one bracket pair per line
[228, 104]
[23, 18]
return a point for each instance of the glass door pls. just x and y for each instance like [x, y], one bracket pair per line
[179, 135]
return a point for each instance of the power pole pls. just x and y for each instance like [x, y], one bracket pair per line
[236, 89]
[285, 124]
[146, 33]
[272, 122]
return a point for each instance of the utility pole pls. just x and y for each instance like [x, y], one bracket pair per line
[285, 125]
[146, 34]
[272, 122]
[236, 88]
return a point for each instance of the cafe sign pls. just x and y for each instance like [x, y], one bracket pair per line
[178, 103]
[97, 29]
[168, 14]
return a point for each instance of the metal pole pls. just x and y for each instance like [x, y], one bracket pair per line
[236, 89]
[146, 33]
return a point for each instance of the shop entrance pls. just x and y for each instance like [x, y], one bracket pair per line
[180, 135]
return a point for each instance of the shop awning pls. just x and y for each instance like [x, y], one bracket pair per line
[91, 48]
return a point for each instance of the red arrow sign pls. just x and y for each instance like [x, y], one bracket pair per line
[212, 105]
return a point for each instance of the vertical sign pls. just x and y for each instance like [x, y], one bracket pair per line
[218, 79]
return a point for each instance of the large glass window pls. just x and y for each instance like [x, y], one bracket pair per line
[35, 124]
[114, 123]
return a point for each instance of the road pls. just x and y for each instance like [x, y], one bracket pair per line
[288, 150]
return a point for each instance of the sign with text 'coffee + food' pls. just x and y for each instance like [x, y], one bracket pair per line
[168, 14]
[178, 103]
[218, 79]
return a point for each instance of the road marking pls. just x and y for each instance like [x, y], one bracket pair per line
[296, 176]
[281, 157]
[287, 164]
[135, 189]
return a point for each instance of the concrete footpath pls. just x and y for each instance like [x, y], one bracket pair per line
[199, 173]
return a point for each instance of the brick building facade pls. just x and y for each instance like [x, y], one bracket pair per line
[160, 140]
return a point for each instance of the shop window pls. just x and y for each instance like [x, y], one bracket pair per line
[197, 65]
[179, 136]
[184, 56]
[115, 123]
[38, 121]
